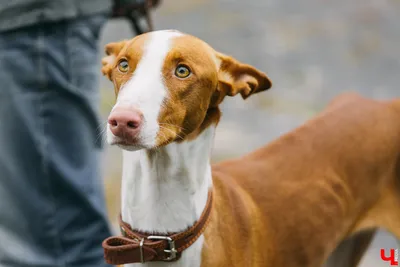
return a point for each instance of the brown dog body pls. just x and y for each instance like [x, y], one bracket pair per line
[292, 202]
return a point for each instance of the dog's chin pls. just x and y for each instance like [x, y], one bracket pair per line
[129, 146]
[137, 144]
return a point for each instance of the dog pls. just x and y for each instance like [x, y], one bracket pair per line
[293, 202]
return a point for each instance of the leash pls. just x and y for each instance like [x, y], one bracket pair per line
[135, 17]
[134, 11]
[135, 246]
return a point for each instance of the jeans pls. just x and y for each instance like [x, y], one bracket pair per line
[52, 208]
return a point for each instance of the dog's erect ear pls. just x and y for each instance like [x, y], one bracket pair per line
[112, 50]
[235, 77]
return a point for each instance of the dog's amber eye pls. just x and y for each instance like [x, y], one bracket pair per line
[182, 71]
[123, 66]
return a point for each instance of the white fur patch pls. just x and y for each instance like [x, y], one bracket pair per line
[145, 90]
[167, 191]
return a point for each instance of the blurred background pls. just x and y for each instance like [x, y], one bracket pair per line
[311, 49]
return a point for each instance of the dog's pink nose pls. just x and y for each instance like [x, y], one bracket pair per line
[125, 122]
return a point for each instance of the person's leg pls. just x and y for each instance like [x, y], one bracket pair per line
[52, 210]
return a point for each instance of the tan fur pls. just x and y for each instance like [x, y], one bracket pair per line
[294, 201]
[118, 51]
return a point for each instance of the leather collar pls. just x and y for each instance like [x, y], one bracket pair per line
[134, 246]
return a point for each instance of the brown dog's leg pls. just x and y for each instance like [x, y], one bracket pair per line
[351, 250]
[385, 213]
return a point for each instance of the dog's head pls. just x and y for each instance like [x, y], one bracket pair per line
[168, 87]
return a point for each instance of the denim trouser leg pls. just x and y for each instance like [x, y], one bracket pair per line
[52, 210]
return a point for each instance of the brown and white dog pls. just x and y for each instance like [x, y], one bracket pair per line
[290, 203]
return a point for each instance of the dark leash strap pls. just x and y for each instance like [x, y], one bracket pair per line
[135, 20]
[138, 13]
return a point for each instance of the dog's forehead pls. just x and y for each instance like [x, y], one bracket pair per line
[167, 42]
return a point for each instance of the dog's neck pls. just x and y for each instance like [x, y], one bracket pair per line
[165, 190]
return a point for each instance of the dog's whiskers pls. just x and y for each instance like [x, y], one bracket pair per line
[101, 134]
[161, 127]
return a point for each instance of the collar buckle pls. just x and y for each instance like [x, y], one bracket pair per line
[171, 246]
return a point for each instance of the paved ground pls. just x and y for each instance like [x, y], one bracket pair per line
[311, 49]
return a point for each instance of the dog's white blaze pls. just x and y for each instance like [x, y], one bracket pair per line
[145, 90]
